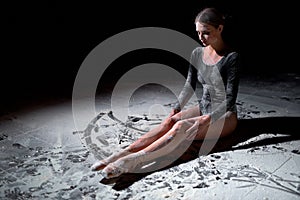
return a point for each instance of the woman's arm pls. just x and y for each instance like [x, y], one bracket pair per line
[189, 86]
[231, 88]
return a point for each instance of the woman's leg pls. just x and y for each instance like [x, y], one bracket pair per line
[159, 148]
[149, 137]
[172, 139]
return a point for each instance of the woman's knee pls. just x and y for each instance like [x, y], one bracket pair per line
[180, 126]
[168, 123]
[220, 128]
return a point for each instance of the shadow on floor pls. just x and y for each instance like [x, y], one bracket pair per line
[287, 128]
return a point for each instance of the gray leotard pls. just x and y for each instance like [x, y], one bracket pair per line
[218, 83]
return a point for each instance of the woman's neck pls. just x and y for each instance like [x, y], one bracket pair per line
[210, 56]
[220, 48]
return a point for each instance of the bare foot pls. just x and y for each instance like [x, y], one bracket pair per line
[124, 165]
[99, 165]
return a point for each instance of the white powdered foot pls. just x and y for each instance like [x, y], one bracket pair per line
[124, 165]
[99, 165]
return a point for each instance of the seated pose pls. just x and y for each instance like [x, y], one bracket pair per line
[212, 63]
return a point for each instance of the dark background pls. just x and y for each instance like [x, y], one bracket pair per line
[45, 42]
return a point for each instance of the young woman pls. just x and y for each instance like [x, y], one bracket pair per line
[215, 67]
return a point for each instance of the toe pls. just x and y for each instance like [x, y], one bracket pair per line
[111, 171]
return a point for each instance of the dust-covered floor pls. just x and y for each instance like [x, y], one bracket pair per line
[46, 155]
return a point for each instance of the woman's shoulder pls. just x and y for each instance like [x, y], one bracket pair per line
[197, 51]
[233, 57]
[233, 54]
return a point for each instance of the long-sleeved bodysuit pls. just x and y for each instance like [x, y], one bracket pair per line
[219, 84]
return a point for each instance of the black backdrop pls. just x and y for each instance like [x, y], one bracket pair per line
[45, 42]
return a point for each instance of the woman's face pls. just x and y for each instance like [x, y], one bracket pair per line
[208, 34]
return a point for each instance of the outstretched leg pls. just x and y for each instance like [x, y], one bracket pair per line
[161, 147]
[138, 145]
[149, 137]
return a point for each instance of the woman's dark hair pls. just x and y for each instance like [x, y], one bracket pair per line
[214, 17]
[210, 16]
